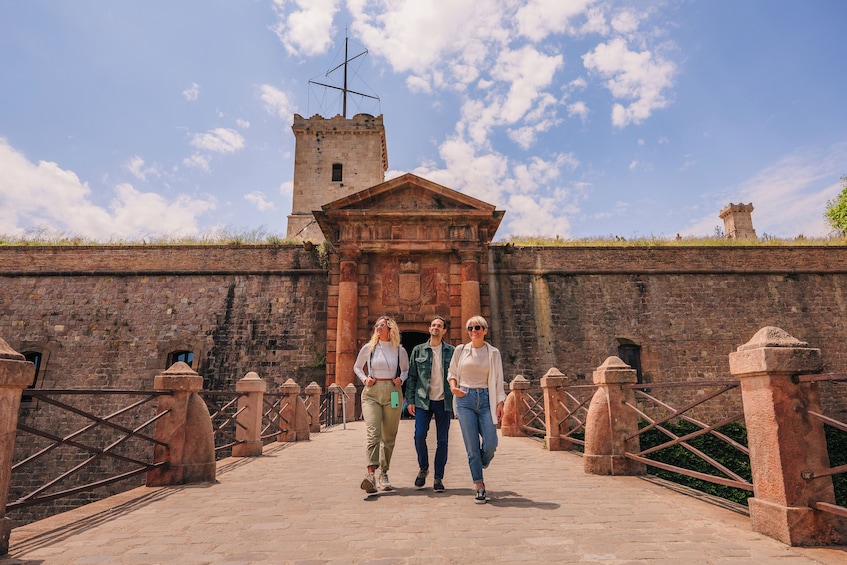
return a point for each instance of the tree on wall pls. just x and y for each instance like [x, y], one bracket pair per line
[836, 209]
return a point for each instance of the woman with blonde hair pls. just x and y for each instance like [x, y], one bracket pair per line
[382, 365]
[476, 381]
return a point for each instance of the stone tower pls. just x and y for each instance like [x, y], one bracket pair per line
[333, 158]
[738, 222]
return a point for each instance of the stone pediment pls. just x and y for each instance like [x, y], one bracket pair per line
[406, 212]
[408, 192]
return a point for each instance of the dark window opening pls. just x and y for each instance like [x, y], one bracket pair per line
[630, 354]
[33, 357]
[336, 172]
[186, 357]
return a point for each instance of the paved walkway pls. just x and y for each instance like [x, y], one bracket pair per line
[301, 503]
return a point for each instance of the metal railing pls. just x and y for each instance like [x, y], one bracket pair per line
[837, 379]
[734, 480]
[118, 436]
[575, 411]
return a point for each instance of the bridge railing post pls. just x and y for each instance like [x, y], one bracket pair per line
[313, 406]
[350, 403]
[609, 422]
[16, 373]
[185, 430]
[514, 408]
[248, 430]
[555, 410]
[293, 418]
[785, 442]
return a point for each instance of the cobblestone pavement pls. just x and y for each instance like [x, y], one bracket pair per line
[301, 503]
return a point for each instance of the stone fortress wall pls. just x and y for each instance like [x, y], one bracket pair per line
[108, 316]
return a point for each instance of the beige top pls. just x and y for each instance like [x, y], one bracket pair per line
[474, 367]
[436, 376]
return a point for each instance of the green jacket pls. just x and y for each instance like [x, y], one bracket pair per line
[420, 370]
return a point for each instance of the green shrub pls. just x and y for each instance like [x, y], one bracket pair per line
[717, 449]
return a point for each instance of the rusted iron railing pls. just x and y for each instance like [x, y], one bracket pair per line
[532, 421]
[224, 412]
[120, 436]
[837, 379]
[573, 410]
[647, 400]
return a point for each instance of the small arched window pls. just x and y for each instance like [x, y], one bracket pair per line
[336, 172]
[186, 357]
[34, 357]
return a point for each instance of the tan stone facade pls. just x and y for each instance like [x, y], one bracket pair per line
[738, 221]
[333, 158]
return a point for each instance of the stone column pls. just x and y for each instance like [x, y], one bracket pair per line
[293, 419]
[514, 409]
[786, 444]
[348, 308]
[555, 410]
[16, 373]
[609, 422]
[248, 431]
[471, 303]
[313, 406]
[186, 429]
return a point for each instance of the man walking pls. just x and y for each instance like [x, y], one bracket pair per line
[428, 396]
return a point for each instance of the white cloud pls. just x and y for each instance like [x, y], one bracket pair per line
[286, 188]
[578, 109]
[258, 199]
[277, 103]
[45, 196]
[539, 18]
[243, 124]
[308, 30]
[139, 171]
[445, 41]
[641, 76]
[219, 140]
[197, 161]
[192, 93]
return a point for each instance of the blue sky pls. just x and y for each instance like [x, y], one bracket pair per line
[122, 120]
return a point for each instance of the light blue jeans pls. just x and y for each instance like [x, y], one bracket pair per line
[478, 430]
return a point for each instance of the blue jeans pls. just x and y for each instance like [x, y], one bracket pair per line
[474, 413]
[442, 432]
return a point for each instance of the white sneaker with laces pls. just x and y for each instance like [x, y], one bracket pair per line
[384, 483]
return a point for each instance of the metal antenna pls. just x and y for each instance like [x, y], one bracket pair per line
[344, 89]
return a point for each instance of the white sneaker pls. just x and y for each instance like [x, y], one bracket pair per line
[368, 484]
[384, 483]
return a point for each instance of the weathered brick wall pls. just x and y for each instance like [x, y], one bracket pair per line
[107, 317]
[687, 308]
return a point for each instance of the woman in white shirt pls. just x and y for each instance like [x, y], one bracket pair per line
[476, 381]
[382, 365]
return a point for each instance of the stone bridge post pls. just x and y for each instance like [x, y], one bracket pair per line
[248, 430]
[609, 422]
[313, 406]
[16, 373]
[555, 410]
[186, 429]
[514, 408]
[352, 392]
[787, 446]
[293, 419]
